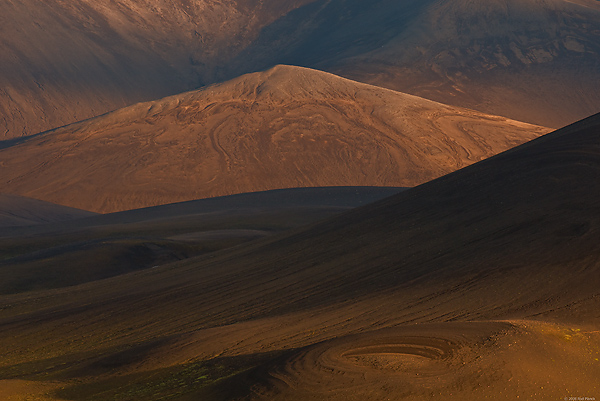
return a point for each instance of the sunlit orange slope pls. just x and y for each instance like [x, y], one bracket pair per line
[286, 127]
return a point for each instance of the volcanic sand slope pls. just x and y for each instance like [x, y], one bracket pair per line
[22, 211]
[76, 251]
[530, 60]
[64, 61]
[399, 299]
[286, 127]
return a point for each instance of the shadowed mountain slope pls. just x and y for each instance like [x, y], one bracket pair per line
[64, 61]
[534, 61]
[286, 127]
[21, 211]
[516, 236]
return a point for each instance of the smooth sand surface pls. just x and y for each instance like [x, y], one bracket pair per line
[74, 251]
[21, 211]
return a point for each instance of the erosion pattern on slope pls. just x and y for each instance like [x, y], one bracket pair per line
[456, 361]
[286, 127]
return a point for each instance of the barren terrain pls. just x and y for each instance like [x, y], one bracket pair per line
[78, 247]
[530, 60]
[480, 284]
[62, 62]
[377, 210]
[286, 127]
[20, 211]
[66, 61]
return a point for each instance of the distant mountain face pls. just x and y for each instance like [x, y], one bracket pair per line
[536, 61]
[286, 127]
[64, 61]
[61, 62]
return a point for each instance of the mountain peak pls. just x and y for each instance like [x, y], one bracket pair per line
[281, 128]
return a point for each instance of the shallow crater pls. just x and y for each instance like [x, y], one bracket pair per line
[419, 356]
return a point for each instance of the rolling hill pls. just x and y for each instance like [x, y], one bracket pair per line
[482, 283]
[20, 211]
[48, 251]
[282, 128]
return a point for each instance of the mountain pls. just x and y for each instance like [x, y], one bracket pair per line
[482, 283]
[530, 60]
[285, 127]
[63, 62]
[20, 211]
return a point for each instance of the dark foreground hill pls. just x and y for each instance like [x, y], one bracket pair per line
[483, 283]
[21, 211]
[283, 128]
[67, 250]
